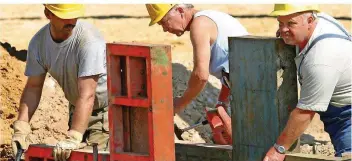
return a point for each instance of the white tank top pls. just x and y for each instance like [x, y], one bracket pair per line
[227, 26]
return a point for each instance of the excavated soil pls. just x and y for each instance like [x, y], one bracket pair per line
[125, 23]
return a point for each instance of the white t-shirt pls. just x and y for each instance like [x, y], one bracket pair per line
[82, 54]
[326, 69]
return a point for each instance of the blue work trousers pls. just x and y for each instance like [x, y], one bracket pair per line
[337, 123]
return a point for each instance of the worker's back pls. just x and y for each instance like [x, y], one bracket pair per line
[227, 26]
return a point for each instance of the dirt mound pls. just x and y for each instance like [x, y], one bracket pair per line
[12, 82]
[49, 122]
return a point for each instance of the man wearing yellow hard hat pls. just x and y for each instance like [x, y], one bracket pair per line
[209, 32]
[73, 53]
[324, 71]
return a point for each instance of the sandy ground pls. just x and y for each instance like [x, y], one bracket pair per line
[126, 23]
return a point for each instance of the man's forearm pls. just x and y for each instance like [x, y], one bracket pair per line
[195, 86]
[297, 123]
[29, 102]
[81, 114]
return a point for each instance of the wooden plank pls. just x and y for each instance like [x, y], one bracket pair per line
[116, 128]
[126, 129]
[202, 152]
[124, 101]
[139, 130]
[41, 152]
[138, 116]
[128, 49]
[161, 112]
[311, 157]
[128, 77]
[264, 85]
[130, 157]
[286, 73]
[138, 77]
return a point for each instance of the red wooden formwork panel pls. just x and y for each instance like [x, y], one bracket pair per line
[45, 153]
[140, 102]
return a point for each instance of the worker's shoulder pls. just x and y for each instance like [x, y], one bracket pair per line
[212, 13]
[38, 37]
[87, 33]
[330, 52]
[200, 22]
[205, 19]
[212, 16]
[222, 21]
[333, 44]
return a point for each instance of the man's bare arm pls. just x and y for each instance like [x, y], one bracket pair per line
[31, 97]
[200, 37]
[297, 123]
[85, 102]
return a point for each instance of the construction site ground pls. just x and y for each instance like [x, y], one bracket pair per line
[126, 23]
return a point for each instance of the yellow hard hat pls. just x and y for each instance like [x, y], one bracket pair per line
[287, 9]
[66, 11]
[157, 12]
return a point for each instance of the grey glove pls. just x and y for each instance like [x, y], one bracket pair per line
[21, 131]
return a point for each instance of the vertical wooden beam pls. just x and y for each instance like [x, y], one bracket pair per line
[126, 128]
[162, 110]
[128, 77]
[264, 88]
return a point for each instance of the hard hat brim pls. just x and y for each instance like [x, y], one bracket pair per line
[152, 22]
[157, 19]
[280, 13]
[285, 13]
[69, 15]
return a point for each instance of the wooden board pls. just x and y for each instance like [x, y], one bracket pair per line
[139, 130]
[264, 90]
[310, 157]
[202, 152]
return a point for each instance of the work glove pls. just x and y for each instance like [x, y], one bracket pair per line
[62, 150]
[21, 131]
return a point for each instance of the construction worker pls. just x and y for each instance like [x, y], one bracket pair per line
[74, 53]
[209, 32]
[324, 71]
